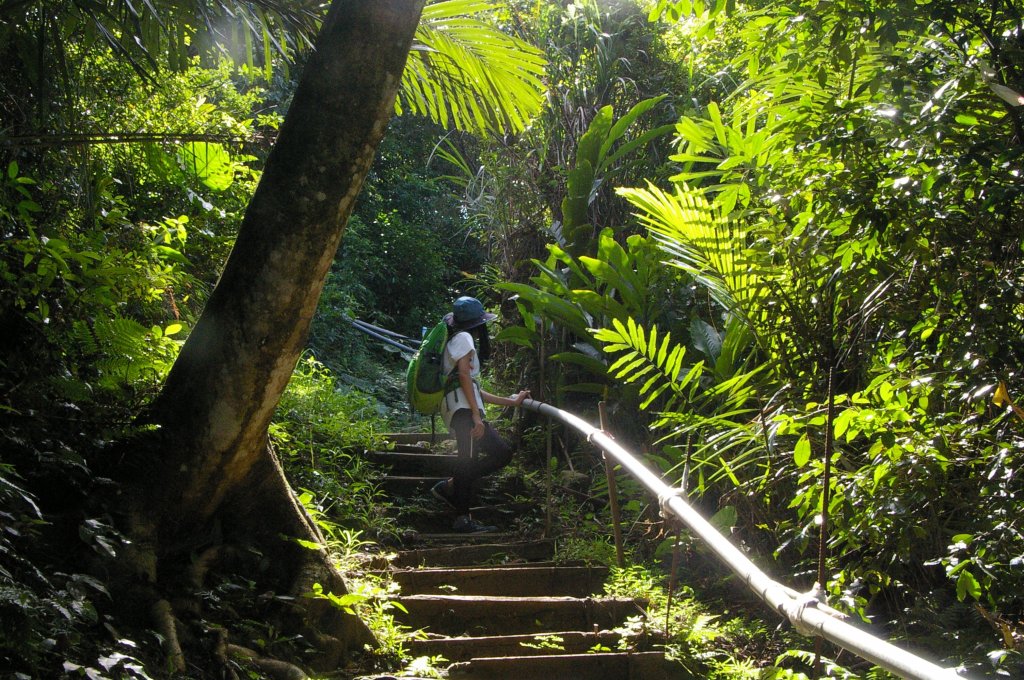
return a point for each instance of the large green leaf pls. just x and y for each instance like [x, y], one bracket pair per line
[210, 163]
[593, 141]
[595, 366]
[518, 335]
[617, 131]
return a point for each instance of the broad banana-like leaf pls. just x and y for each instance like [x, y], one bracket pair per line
[595, 138]
[619, 129]
[518, 335]
[595, 366]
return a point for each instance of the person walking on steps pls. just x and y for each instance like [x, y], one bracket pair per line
[481, 450]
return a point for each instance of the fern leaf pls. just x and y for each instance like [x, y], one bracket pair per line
[644, 369]
[675, 362]
[634, 335]
[84, 338]
[653, 395]
[692, 375]
[622, 331]
[120, 335]
[645, 360]
[659, 353]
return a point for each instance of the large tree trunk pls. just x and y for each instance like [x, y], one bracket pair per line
[215, 474]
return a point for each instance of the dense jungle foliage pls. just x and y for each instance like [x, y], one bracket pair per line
[781, 240]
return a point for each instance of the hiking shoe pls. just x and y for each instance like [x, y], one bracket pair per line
[442, 491]
[464, 524]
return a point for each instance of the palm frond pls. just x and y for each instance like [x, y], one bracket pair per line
[703, 243]
[465, 73]
[644, 357]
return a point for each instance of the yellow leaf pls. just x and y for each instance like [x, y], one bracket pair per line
[1001, 397]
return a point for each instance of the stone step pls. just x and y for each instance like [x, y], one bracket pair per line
[410, 463]
[522, 581]
[477, 615]
[433, 524]
[413, 485]
[614, 666]
[441, 434]
[410, 485]
[379, 566]
[457, 539]
[456, 649]
[406, 448]
[491, 552]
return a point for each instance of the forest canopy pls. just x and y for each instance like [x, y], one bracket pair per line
[781, 240]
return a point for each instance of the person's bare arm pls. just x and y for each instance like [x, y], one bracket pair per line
[511, 400]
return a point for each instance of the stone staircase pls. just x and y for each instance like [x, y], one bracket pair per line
[495, 606]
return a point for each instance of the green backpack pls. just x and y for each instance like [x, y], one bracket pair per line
[426, 382]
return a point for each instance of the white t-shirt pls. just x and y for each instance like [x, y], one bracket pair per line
[459, 346]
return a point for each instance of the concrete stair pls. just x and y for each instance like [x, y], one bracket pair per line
[601, 666]
[513, 581]
[465, 648]
[496, 607]
[476, 550]
[496, 614]
[415, 462]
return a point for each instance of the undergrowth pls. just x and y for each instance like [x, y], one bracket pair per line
[320, 432]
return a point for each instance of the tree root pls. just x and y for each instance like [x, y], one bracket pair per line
[278, 670]
[166, 625]
[165, 566]
[202, 564]
[220, 653]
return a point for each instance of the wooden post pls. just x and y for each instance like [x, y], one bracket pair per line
[613, 494]
[547, 443]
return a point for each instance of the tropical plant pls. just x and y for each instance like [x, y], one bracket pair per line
[153, 34]
[465, 74]
[320, 430]
[825, 162]
[572, 295]
[600, 150]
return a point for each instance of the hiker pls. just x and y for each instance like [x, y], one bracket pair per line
[481, 450]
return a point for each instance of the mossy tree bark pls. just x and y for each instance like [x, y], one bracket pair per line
[214, 479]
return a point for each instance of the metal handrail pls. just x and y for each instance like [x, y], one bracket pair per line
[802, 611]
[382, 335]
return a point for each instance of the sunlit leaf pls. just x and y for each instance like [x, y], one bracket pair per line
[802, 451]
[967, 586]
